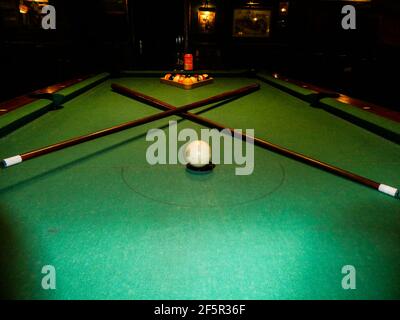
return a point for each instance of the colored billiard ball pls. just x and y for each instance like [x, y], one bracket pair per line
[198, 153]
[187, 81]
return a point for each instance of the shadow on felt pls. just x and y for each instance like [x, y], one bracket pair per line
[10, 264]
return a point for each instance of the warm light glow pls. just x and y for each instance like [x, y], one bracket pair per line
[283, 8]
[205, 16]
[344, 99]
[275, 75]
[40, 3]
[23, 9]
[206, 19]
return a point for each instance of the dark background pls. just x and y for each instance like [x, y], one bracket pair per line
[307, 44]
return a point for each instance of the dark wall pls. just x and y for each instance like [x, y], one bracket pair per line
[156, 25]
[307, 43]
[222, 49]
[307, 28]
[90, 36]
[358, 62]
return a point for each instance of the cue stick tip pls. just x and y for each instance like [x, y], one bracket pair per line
[389, 190]
[8, 162]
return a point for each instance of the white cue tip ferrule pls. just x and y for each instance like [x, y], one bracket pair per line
[388, 190]
[11, 161]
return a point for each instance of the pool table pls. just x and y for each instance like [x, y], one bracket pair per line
[115, 227]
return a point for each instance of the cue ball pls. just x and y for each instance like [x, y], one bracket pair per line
[198, 153]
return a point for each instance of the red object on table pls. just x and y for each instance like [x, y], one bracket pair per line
[188, 61]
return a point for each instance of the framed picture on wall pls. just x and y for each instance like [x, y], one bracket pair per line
[251, 23]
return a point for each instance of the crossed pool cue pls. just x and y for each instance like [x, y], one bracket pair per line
[8, 162]
[259, 142]
[182, 111]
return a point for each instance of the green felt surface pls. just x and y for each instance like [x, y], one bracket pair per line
[287, 86]
[19, 116]
[82, 86]
[115, 227]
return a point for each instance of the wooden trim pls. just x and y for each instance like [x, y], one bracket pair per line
[23, 100]
[365, 106]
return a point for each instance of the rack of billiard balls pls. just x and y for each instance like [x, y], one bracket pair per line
[186, 81]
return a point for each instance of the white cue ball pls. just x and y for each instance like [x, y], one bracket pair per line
[198, 153]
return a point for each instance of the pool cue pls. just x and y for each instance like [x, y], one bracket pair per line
[104, 132]
[265, 144]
